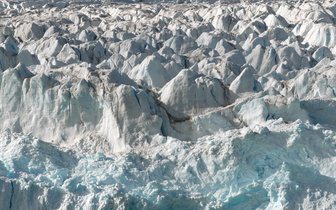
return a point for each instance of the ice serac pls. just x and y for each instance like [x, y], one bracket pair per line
[321, 53]
[244, 82]
[181, 44]
[167, 105]
[190, 93]
[29, 31]
[43, 106]
[152, 72]
[273, 21]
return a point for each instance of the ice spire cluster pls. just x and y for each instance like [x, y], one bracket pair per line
[155, 105]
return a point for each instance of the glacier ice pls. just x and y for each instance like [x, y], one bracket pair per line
[161, 105]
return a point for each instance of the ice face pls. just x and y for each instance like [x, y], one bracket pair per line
[167, 106]
[280, 165]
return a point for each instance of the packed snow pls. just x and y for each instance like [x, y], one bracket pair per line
[161, 105]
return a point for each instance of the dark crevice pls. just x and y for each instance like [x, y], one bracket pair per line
[171, 117]
[11, 197]
[161, 104]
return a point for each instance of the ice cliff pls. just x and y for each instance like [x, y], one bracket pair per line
[167, 106]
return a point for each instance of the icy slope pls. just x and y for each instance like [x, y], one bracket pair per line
[107, 106]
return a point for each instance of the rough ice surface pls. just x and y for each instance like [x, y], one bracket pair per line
[156, 105]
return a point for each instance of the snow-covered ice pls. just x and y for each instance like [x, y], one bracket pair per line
[161, 105]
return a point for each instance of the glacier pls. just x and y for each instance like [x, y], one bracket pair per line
[167, 105]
